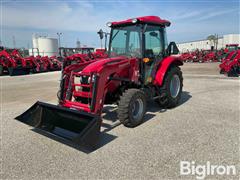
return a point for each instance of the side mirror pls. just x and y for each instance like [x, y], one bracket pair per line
[100, 33]
[172, 48]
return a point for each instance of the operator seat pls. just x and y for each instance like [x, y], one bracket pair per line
[149, 53]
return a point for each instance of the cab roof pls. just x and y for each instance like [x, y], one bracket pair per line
[232, 45]
[153, 20]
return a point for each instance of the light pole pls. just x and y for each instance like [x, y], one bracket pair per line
[59, 36]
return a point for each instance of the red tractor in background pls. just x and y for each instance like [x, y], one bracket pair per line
[12, 63]
[187, 57]
[202, 56]
[80, 55]
[231, 47]
[100, 50]
[51, 63]
[140, 66]
[55, 64]
[231, 64]
[65, 52]
[207, 56]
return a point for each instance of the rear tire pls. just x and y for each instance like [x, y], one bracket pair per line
[132, 107]
[171, 94]
[1, 70]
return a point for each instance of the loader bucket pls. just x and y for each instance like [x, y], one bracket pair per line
[79, 127]
[18, 71]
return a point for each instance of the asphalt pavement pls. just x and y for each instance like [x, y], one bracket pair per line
[204, 127]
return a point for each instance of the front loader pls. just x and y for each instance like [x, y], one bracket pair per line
[140, 66]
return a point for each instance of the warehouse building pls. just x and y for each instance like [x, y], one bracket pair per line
[205, 44]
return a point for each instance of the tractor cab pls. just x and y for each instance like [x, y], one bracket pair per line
[143, 38]
[232, 47]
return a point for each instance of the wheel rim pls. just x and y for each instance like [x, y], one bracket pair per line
[137, 109]
[175, 86]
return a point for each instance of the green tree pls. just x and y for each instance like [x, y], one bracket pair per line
[213, 40]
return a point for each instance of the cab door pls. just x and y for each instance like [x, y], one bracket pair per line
[155, 44]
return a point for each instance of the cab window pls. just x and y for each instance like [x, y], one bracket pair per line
[126, 41]
[134, 44]
[154, 41]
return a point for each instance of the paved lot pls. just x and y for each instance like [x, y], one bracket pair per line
[205, 127]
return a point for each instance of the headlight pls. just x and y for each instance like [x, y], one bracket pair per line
[109, 24]
[89, 79]
[94, 78]
[134, 20]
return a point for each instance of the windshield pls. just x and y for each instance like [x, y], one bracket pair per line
[232, 48]
[126, 41]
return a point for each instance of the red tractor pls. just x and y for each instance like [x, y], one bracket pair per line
[40, 64]
[50, 63]
[140, 66]
[65, 52]
[84, 56]
[12, 63]
[187, 57]
[231, 64]
[231, 47]
[35, 64]
[55, 64]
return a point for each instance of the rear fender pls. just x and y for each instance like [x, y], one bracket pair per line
[164, 66]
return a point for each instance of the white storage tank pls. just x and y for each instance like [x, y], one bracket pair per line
[35, 41]
[47, 46]
[44, 46]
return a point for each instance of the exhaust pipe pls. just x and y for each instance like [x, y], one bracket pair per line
[79, 127]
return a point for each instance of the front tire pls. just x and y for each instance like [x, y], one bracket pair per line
[221, 71]
[132, 107]
[232, 72]
[171, 90]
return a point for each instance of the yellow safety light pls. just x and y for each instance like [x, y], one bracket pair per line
[149, 79]
[146, 60]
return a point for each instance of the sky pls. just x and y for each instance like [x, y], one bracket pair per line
[190, 19]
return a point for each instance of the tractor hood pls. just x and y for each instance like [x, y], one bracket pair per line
[99, 64]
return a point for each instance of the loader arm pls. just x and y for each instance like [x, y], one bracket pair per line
[104, 76]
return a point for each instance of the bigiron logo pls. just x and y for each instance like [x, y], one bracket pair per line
[208, 169]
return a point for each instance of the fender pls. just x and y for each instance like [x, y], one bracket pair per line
[164, 65]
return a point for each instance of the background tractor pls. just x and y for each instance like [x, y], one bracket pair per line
[231, 64]
[140, 66]
[13, 63]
